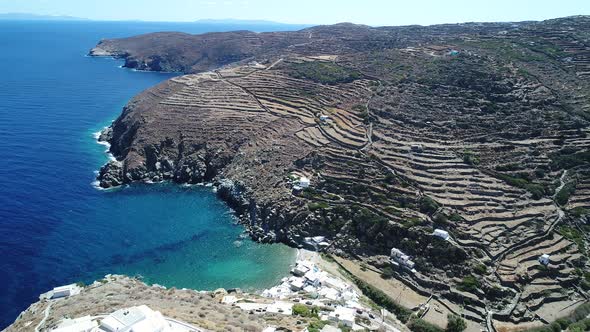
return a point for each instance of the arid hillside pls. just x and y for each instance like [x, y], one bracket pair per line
[477, 129]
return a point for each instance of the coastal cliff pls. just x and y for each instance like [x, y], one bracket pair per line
[475, 129]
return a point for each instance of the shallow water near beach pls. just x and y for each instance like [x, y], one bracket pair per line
[55, 227]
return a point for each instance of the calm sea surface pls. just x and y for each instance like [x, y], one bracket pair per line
[55, 227]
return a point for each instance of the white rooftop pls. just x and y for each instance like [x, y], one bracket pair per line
[441, 234]
[135, 319]
[82, 324]
[229, 299]
[304, 182]
[343, 315]
[285, 308]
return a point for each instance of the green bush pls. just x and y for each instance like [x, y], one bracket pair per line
[317, 206]
[573, 235]
[324, 72]
[428, 205]
[480, 269]
[382, 299]
[508, 167]
[522, 181]
[470, 158]
[304, 311]
[567, 161]
[564, 194]
[387, 272]
[420, 325]
[583, 325]
[316, 325]
[455, 217]
[455, 324]
[469, 284]
[578, 212]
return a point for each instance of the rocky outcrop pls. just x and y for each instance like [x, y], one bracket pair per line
[198, 308]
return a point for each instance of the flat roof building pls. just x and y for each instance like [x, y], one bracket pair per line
[343, 315]
[64, 291]
[544, 259]
[304, 182]
[140, 318]
[441, 234]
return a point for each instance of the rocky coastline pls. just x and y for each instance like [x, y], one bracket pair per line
[233, 193]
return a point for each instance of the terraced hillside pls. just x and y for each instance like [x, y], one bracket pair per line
[477, 129]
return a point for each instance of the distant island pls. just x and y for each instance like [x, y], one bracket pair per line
[35, 17]
[228, 21]
[232, 21]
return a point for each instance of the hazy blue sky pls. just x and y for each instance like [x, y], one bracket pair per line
[373, 12]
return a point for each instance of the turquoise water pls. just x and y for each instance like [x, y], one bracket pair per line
[55, 227]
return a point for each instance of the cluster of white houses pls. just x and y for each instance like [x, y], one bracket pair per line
[325, 290]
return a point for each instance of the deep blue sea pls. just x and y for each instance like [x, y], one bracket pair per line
[55, 227]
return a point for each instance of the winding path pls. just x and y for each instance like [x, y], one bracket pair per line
[42, 322]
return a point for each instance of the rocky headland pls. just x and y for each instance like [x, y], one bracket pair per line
[480, 130]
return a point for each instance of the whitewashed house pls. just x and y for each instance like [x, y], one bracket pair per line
[441, 234]
[343, 315]
[324, 118]
[399, 258]
[300, 270]
[396, 253]
[544, 259]
[140, 318]
[304, 182]
[229, 299]
[296, 283]
[64, 291]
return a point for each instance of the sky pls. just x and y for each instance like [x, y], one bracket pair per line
[371, 12]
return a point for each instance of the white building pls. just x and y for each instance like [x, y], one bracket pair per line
[343, 315]
[229, 299]
[544, 259]
[304, 182]
[64, 291]
[396, 253]
[300, 270]
[140, 318]
[334, 283]
[441, 234]
[296, 283]
[316, 243]
[399, 258]
[324, 118]
[409, 264]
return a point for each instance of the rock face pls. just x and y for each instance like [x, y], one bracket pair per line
[401, 130]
